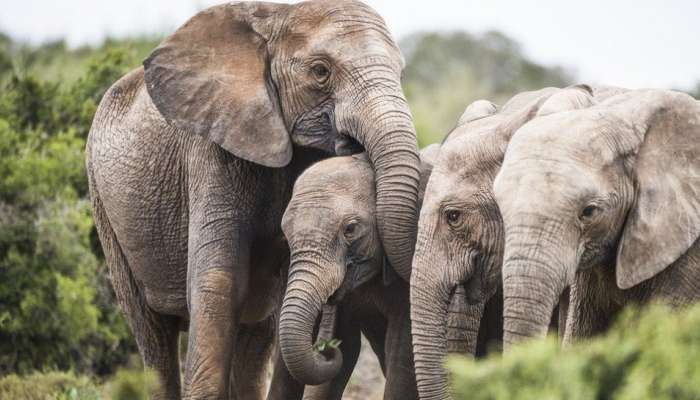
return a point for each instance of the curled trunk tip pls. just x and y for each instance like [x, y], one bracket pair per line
[297, 320]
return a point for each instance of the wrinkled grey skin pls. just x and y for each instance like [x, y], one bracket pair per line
[337, 261]
[605, 200]
[191, 162]
[459, 250]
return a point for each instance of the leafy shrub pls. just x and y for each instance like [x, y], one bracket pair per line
[48, 386]
[130, 384]
[650, 354]
[56, 308]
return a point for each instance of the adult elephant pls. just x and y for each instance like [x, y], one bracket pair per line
[191, 161]
[605, 200]
[459, 249]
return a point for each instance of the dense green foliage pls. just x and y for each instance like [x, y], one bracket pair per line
[127, 384]
[49, 386]
[56, 308]
[652, 354]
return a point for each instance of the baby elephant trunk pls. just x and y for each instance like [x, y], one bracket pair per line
[309, 364]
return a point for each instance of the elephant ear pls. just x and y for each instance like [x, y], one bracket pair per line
[211, 77]
[664, 220]
[477, 110]
[544, 102]
[572, 98]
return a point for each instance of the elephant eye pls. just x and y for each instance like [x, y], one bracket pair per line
[453, 217]
[350, 229]
[321, 72]
[589, 212]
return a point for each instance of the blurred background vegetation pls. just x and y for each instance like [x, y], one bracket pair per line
[58, 316]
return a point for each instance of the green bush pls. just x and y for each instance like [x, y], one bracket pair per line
[652, 354]
[48, 386]
[57, 310]
[129, 384]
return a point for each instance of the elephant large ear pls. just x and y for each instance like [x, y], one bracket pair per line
[572, 98]
[211, 77]
[477, 110]
[664, 220]
[541, 103]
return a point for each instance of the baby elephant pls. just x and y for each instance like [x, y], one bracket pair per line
[337, 265]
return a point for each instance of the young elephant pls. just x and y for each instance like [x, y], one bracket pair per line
[459, 249]
[605, 200]
[337, 263]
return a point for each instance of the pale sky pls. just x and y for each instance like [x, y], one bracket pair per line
[632, 43]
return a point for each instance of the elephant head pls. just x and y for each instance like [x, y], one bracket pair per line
[332, 230]
[611, 186]
[459, 249]
[260, 79]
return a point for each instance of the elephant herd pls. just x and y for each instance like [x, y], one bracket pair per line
[258, 185]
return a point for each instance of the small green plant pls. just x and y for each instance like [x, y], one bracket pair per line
[323, 345]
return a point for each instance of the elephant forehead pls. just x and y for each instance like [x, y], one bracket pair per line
[473, 156]
[318, 25]
[337, 173]
[584, 136]
[300, 216]
[446, 186]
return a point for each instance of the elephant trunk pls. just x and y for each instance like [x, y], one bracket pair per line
[532, 285]
[302, 304]
[432, 310]
[384, 127]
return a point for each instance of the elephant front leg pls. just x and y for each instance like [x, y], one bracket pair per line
[400, 376]
[218, 274]
[283, 386]
[254, 344]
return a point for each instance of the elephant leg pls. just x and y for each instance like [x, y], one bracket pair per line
[351, 343]
[218, 277]
[375, 332]
[283, 386]
[400, 375]
[158, 343]
[252, 350]
[156, 335]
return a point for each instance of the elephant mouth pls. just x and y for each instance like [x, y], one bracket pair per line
[346, 145]
[457, 321]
